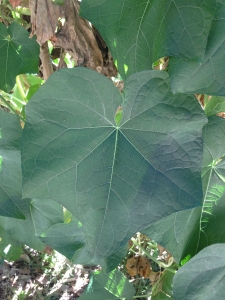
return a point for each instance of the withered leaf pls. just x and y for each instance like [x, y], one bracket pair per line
[138, 265]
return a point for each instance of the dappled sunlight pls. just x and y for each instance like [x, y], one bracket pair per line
[125, 68]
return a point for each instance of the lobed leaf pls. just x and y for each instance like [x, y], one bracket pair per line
[140, 32]
[19, 54]
[116, 179]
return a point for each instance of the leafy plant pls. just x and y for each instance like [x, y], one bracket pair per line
[93, 166]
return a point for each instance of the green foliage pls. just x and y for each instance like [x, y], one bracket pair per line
[109, 286]
[84, 155]
[139, 32]
[214, 105]
[207, 76]
[203, 276]
[10, 166]
[19, 54]
[92, 166]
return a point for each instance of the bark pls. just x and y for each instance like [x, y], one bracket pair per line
[76, 36]
[47, 68]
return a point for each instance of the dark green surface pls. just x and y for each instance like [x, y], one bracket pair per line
[111, 286]
[207, 76]
[19, 54]
[10, 165]
[22, 231]
[140, 32]
[115, 179]
[188, 232]
[203, 277]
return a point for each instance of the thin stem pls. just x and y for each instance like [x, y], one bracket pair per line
[139, 242]
[161, 264]
[143, 296]
[11, 108]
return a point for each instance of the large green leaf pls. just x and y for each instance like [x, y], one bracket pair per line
[203, 277]
[188, 232]
[115, 179]
[19, 54]
[140, 32]
[111, 286]
[10, 165]
[207, 76]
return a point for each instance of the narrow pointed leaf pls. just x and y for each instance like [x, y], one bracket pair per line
[207, 76]
[140, 32]
[10, 165]
[203, 277]
[111, 286]
[115, 179]
[19, 54]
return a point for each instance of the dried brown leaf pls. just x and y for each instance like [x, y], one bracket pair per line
[138, 265]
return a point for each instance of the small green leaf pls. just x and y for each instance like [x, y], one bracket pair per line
[119, 115]
[215, 105]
